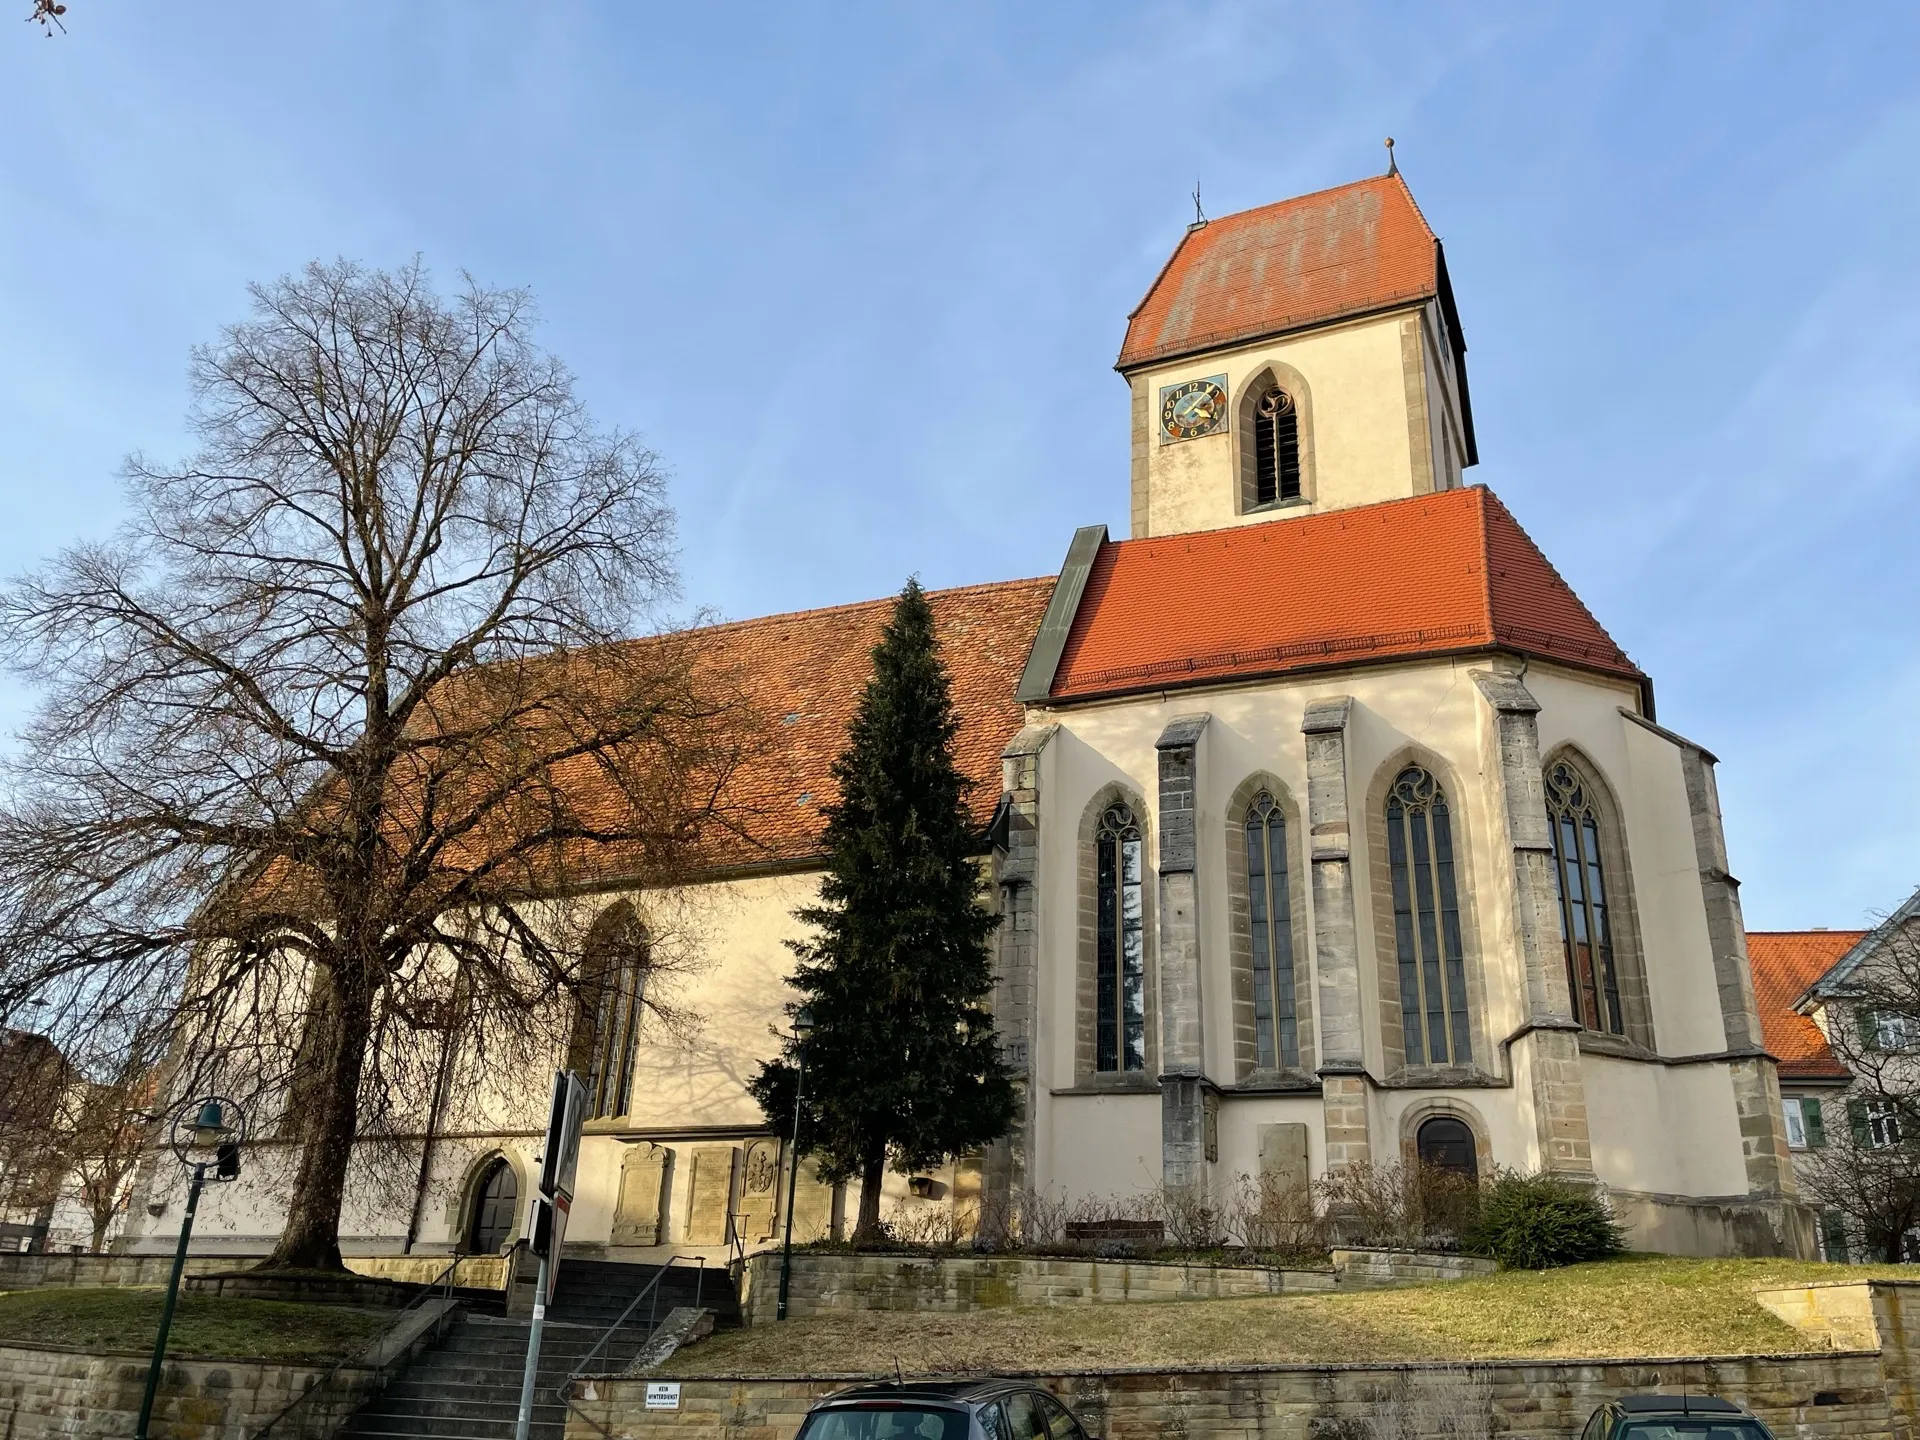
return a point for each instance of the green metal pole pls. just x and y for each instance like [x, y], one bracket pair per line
[166, 1312]
[793, 1182]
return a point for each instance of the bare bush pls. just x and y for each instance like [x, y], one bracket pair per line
[1269, 1217]
[1412, 1206]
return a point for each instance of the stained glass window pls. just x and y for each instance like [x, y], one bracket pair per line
[1120, 956]
[1276, 1039]
[1276, 448]
[1426, 922]
[1580, 881]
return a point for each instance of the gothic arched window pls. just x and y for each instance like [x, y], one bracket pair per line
[1426, 922]
[1120, 955]
[1276, 448]
[1276, 1039]
[1585, 925]
[606, 1022]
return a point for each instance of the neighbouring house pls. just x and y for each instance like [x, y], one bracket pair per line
[1327, 826]
[1816, 988]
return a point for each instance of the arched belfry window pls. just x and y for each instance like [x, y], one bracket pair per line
[1276, 448]
[1585, 924]
[1276, 1034]
[1426, 922]
[1120, 954]
[606, 1024]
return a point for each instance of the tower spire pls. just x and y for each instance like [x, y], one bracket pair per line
[1393, 166]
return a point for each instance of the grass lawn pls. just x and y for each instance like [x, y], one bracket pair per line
[117, 1318]
[1643, 1305]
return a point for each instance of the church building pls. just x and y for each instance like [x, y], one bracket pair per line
[1327, 825]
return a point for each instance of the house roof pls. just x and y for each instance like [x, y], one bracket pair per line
[1428, 575]
[1345, 251]
[803, 673]
[1786, 964]
[1902, 920]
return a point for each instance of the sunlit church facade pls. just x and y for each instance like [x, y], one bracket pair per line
[1326, 825]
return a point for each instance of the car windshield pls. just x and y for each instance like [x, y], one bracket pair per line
[885, 1422]
[1694, 1430]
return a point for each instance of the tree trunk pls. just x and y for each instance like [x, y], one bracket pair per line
[310, 1239]
[866, 1230]
[100, 1226]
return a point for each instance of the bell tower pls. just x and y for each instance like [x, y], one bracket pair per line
[1302, 357]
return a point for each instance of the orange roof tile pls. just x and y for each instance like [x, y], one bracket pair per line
[1429, 575]
[1344, 251]
[803, 674]
[1785, 963]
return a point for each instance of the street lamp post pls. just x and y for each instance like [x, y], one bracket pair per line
[802, 1030]
[209, 1140]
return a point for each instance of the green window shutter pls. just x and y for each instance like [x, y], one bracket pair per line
[1868, 1026]
[1815, 1127]
[1833, 1235]
[1857, 1118]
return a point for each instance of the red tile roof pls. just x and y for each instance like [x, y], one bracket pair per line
[803, 674]
[1429, 575]
[1303, 261]
[1785, 963]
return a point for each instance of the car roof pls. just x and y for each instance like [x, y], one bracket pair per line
[958, 1392]
[1679, 1405]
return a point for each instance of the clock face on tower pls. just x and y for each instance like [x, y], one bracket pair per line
[1193, 408]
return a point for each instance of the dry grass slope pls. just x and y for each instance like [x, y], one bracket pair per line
[128, 1319]
[1643, 1305]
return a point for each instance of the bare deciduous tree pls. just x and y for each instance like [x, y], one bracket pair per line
[1869, 1168]
[347, 710]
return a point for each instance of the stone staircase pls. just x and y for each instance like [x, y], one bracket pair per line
[468, 1386]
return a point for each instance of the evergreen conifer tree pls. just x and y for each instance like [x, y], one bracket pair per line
[902, 1065]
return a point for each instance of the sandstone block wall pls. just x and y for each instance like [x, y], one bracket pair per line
[47, 1393]
[1406, 1267]
[824, 1283]
[1811, 1397]
[36, 1272]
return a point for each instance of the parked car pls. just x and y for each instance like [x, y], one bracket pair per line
[1673, 1417]
[962, 1410]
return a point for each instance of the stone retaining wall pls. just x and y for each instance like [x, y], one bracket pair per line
[47, 1393]
[825, 1283]
[1406, 1267]
[1811, 1397]
[37, 1272]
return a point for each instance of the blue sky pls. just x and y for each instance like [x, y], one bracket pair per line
[859, 274]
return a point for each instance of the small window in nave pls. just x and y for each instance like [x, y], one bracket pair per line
[606, 1027]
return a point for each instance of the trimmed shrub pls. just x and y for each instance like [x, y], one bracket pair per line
[1535, 1222]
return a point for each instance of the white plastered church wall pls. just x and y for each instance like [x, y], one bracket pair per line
[1102, 1145]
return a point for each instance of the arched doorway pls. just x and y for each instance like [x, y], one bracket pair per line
[1447, 1144]
[495, 1199]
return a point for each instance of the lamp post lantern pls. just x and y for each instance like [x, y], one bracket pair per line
[204, 1135]
[802, 1032]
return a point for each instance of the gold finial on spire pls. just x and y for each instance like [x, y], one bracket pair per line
[1393, 165]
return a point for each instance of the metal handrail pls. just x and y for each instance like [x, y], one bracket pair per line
[441, 1285]
[651, 1289]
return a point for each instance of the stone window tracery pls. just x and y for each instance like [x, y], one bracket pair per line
[1586, 923]
[1426, 921]
[1120, 965]
[1276, 1036]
